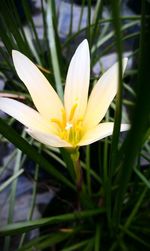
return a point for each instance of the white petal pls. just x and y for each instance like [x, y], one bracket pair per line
[102, 95]
[99, 132]
[77, 82]
[44, 97]
[48, 139]
[26, 115]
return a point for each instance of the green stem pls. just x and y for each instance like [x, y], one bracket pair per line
[88, 173]
[77, 168]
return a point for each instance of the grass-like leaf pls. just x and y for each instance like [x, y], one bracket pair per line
[22, 227]
[140, 121]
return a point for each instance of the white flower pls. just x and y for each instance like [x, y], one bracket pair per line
[76, 122]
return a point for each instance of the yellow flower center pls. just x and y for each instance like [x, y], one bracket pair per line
[69, 130]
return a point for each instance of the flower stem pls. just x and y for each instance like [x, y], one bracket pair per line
[77, 168]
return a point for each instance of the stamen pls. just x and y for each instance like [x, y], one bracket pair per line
[79, 121]
[72, 112]
[71, 135]
[70, 130]
[57, 122]
[63, 117]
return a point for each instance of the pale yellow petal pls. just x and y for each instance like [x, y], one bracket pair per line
[102, 95]
[77, 82]
[24, 114]
[48, 139]
[44, 96]
[99, 132]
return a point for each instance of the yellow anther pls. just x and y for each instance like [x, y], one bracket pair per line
[79, 121]
[73, 109]
[57, 121]
[69, 129]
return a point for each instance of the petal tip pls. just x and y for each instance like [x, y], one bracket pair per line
[15, 53]
[17, 56]
[84, 44]
[85, 41]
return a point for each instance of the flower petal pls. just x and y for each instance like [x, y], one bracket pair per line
[26, 115]
[99, 132]
[44, 96]
[102, 95]
[48, 139]
[77, 82]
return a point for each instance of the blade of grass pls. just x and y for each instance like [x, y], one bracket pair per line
[42, 243]
[76, 246]
[92, 173]
[69, 39]
[12, 198]
[123, 246]
[96, 17]
[22, 227]
[31, 45]
[18, 22]
[111, 46]
[81, 14]
[89, 245]
[10, 180]
[55, 157]
[7, 161]
[140, 122]
[105, 165]
[88, 173]
[12, 28]
[27, 12]
[33, 201]
[52, 45]
[135, 209]
[97, 237]
[142, 177]
[71, 18]
[6, 37]
[89, 22]
[69, 163]
[106, 178]
[6, 62]
[116, 131]
[45, 33]
[101, 41]
[134, 237]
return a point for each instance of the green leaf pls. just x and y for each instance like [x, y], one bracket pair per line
[22, 227]
[140, 122]
[11, 179]
[77, 246]
[134, 236]
[44, 241]
[53, 48]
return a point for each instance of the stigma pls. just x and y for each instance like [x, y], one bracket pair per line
[68, 126]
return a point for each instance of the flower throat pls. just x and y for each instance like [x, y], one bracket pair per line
[71, 129]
